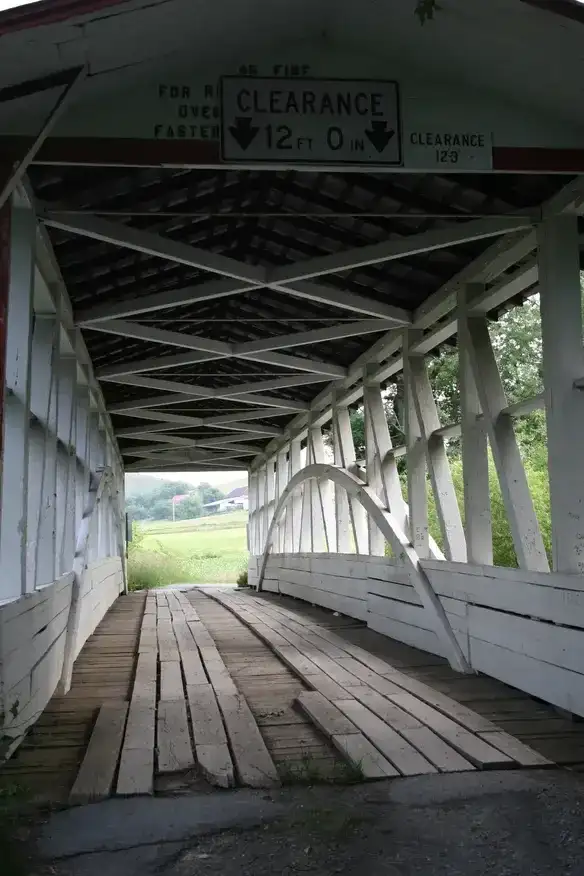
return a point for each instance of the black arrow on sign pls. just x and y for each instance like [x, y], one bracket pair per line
[243, 132]
[378, 136]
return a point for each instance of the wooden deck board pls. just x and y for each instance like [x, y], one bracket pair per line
[47, 763]
[175, 752]
[458, 737]
[96, 775]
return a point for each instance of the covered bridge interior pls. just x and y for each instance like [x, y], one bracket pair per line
[172, 301]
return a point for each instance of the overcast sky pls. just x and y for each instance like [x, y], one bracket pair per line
[215, 478]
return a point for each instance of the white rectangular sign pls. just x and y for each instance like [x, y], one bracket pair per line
[310, 121]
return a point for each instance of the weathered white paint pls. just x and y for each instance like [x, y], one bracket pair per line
[563, 363]
[523, 522]
[416, 460]
[428, 426]
[398, 540]
[14, 523]
[525, 628]
[475, 461]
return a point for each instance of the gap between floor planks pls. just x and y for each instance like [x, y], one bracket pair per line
[418, 729]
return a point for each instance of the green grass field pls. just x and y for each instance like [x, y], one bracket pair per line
[206, 550]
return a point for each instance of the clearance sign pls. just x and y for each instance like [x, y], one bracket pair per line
[310, 121]
[357, 122]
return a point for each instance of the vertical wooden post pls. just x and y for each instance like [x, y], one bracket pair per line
[475, 459]
[563, 363]
[343, 523]
[373, 469]
[416, 460]
[391, 494]
[281, 481]
[5, 247]
[346, 446]
[270, 487]
[514, 487]
[261, 523]
[293, 531]
[306, 514]
[16, 411]
[320, 539]
[252, 513]
[65, 493]
[447, 508]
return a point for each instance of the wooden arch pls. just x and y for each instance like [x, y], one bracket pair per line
[400, 545]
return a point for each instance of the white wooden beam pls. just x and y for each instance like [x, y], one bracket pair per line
[295, 515]
[316, 336]
[16, 415]
[343, 518]
[523, 522]
[349, 461]
[162, 300]
[220, 351]
[563, 364]
[44, 344]
[414, 244]
[298, 363]
[475, 459]
[127, 329]
[445, 499]
[186, 389]
[391, 486]
[416, 461]
[152, 244]
[374, 482]
[156, 363]
[361, 304]
[275, 383]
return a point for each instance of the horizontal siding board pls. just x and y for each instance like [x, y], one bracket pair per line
[545, 642]
[559, 686]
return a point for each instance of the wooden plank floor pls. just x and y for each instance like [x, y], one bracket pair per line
[533, 722]
[45, 766]
[297, 748]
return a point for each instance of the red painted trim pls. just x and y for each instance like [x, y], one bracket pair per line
[4, 288]
[538, 160]
[109, 150]
[154, 153]
[49, 12]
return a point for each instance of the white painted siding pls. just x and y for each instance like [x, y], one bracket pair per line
[522, 627]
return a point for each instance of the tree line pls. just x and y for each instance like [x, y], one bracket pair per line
[157, 504]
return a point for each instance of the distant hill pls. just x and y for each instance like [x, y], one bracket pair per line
[240, 481]
[141, 484]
